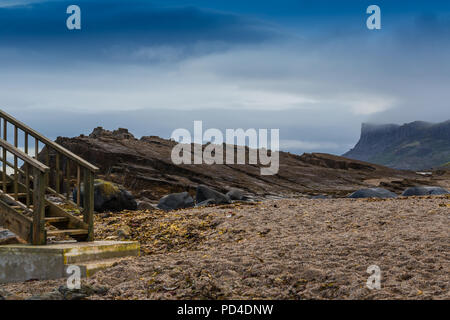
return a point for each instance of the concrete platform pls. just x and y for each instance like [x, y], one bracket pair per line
[20, 262]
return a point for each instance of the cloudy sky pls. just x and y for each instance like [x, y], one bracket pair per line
[310, 68]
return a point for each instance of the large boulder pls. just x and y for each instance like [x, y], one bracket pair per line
[424, 191]
[236, 194]
[176, 201]
[373, 193]
[205, 193]
[109, 196]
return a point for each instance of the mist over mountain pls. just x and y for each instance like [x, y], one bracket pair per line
[415, 146]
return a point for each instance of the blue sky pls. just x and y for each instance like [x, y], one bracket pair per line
[310, 68]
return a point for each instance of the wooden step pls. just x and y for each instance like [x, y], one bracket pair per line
[88, 269]
[31, 207]
[19, 195]
[56, 219]
[68, 232]
[19, 207]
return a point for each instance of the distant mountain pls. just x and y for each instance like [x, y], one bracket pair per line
[415, 146]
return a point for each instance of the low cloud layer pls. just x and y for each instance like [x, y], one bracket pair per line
[155, 68]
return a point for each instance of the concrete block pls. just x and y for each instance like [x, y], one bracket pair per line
[20, 262]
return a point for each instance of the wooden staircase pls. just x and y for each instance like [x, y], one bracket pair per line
[36, 189]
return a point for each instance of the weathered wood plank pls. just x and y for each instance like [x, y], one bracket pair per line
[88, 199]
[39, 233]
[26, 143]
[67, 179]
[16, 222]
[58, 173]
[27, 184]
[67, 232]
[74, 223]
[4, 170]
[22, 155]
[78, 185]
[16, 178]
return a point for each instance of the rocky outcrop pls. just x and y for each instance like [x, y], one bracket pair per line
[413, 146]
[144, 167]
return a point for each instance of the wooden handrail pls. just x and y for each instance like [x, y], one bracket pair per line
[48, 142]
[36, 174]
[22, 155]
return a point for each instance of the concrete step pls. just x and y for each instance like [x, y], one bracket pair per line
[88, 269]
[25, 262]
[68, 232]
[102, 250]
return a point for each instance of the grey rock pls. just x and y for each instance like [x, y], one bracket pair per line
[109, 196]
[205, 193]
[175, 201]
[236, 194]
[424, 191]
[373, 193]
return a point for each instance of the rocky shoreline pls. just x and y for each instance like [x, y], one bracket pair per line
[144, 167]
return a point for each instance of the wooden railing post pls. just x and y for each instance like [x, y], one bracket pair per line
[88, 202]
[39, 233]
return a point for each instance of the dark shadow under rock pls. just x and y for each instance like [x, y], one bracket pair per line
[205, 193]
